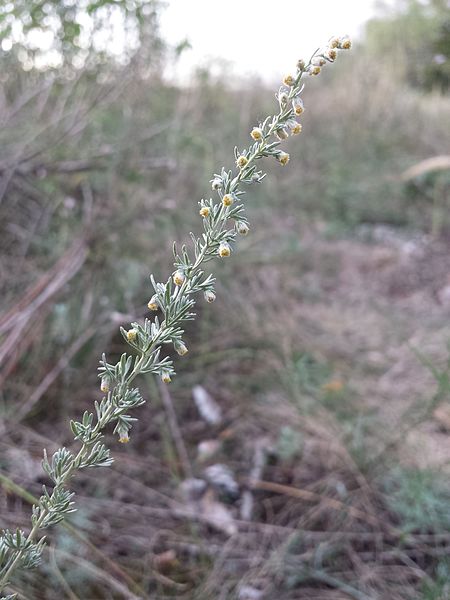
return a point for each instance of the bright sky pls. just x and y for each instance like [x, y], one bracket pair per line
[259, 36]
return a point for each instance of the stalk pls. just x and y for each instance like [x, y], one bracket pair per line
[174, 300]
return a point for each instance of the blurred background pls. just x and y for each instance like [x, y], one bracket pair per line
[303, 450]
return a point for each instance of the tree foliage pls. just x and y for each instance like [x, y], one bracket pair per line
[417, 35]
[52, 33]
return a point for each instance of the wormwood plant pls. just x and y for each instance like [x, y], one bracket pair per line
[174, 300]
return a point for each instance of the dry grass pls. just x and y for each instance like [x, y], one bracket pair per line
[309, 351]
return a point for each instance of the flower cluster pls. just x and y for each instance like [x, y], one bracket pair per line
[172, 303]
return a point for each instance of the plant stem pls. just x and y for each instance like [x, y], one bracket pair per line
[115, 410]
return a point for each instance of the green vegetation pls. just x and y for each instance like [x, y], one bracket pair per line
[56, 34]
[333, 425]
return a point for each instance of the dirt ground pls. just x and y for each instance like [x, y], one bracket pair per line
[382, 311]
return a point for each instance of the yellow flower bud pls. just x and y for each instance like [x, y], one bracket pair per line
[283, 158]
[257, 133]
[334, 42]
[179, 277]
[105, 384]
[153, 304]
[289, 80]
[314, 70]
[242, 161]
[298, 106]
[132, 335]
[224, 249]
[331, 54]
[301, 64]
[227, 200]
[165, 377]
[345, 43]
[210, 296]
[124, 438]
[296, 128]
[204, 211]
[180, 347]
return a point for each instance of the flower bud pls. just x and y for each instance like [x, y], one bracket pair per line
[296, 128]
[318, 61]
[330, 54]
[289, 80]
[257, 133]
[345, 43]
[180, 347]
[209, 296]
[179, 277]
[105, 384]
[216, 183]
[204, 212]
[228, 200]
[283, 158]
[334, 42]
[152, 303]
[122, 430]
[298, 106]
[301, 64]
[283, 99]
[242, 161]
[314, 70]
[224, 249]
[165, 377]
[132, 335]
[242, 228]
[282, 133]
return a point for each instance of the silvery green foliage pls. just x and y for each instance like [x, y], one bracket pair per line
[174, 300]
